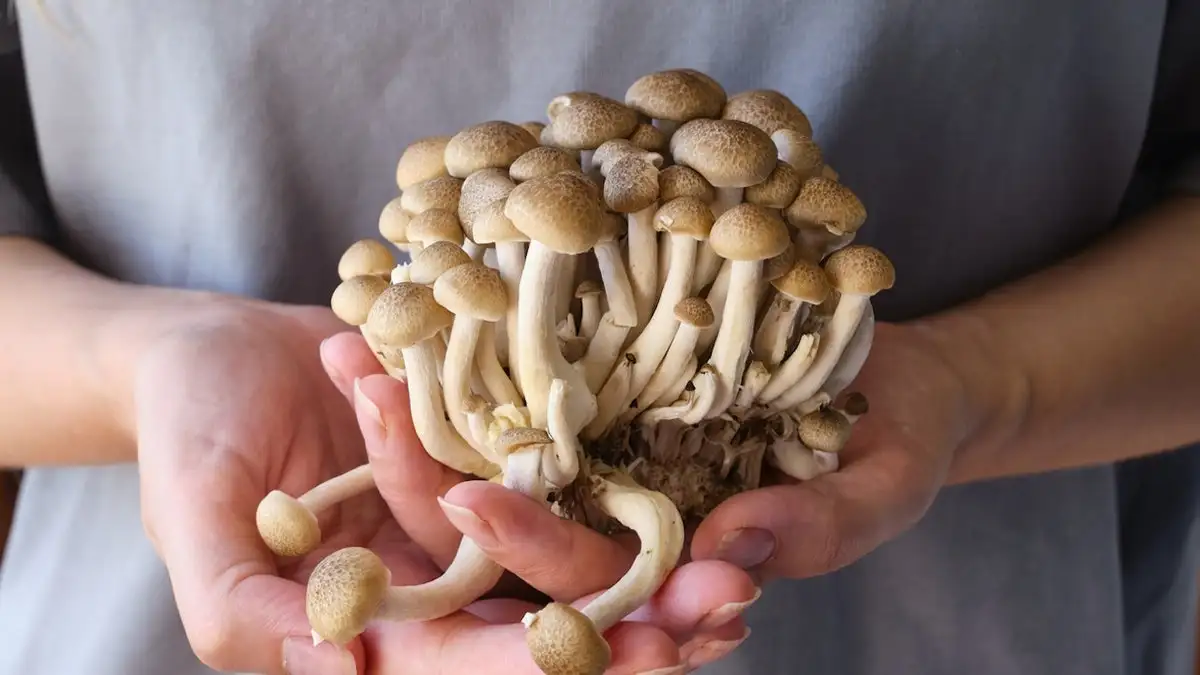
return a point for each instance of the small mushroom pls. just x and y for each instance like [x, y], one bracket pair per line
[693, 314]
[825, 430]
[588, 293]
[393, 224]
[423, 160]
[541, 161]
[779, 190]
[351, 302]
[493, 227]
[768, 110]
[434, 260]
[804, 283]
[488, 145]
[563, 641]
[288, 525]
[618, 288]
[435, 225]
[631, 188]
[479, 190]
[800, 152]
[827, 214]
[672, 97]
[583, 121]
[366, 256]
[442, 192]
[649, 137]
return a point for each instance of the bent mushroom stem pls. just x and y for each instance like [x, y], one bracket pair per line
[618, 288]
[792, 369]
[561, 466]
[753, 381]
[288, 525]
[775, 329]
[642, 243]
[602, 352]
[837, 334]
[498, 384]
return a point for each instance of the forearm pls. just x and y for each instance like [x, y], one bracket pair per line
[70, 343]
[1094, 360]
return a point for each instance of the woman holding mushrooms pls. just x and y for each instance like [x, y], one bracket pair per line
[177, 183]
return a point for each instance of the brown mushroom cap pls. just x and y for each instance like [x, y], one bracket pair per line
[682, 181]
[859, 269]
[559, 211]
[393, 222]
[494, 144]
[748, 232]
[619, 148]
[826, 430]
[584, 122]
[366, 256]
[588, 287]
[473, 290]
[685, 216]
[480, 189]
[435, 225]
[612, 226]
[563, 641]
[806, 155]
[435, 260]
[515, 438]
[649, 137]
[829, 204]
[286, 526]
[806, 281]
[779, 265]
[708, 80]
[695, 311]
[631, 185]
[674, 95]
[345, 591]
[856, 404]
[442, 192]
[407, 313]
[533, 127]
[768, 110]
[492, 226]
[421, 161]
[352, 299]
[563, 101]
[541, 161]
[728, 153]
[779, 190]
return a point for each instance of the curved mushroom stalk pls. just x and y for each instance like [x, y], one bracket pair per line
[561, 466]
[753, 381]
[602, 352]
[834, 339]
[854, 356]
[792, 369]
[498, 384]
[288, 525]
[692, 406]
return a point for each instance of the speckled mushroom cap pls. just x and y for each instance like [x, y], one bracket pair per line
[480, 189]
[779, 190]
[631, 185]
[612, 226]
[393, 222]
[768, 110]
[494, 144]
[806, 156]
[718, 90]
[541, 161]
[619, 148]
[352, 299]
[859, 269]
[826, 430]
[365, 256]
[806, 281]
[473, 290]
[829, 204]
[407, 313]
[649, 137]
[695, 311]
[777, 266]
[533, 127]
[674, 95]
[563, 641]
[729, 154]
[685, 216]
[682, 181]
[492, 226]
[748, 232]
[345, 591]
[515, 438]
[563, 101]
[442, 192]
[588, 287]
[286, 526]
[559, 211]
[435, 225]
[435, 260]
[584, 122]
[422, 160]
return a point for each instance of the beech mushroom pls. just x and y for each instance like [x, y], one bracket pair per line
[693, 315]
[288, 525]
[610, 152]
[588, 292]
[442, 192]
[541, 161]
[435, 225]
[805, 282]
[768, 110]
[434, 260]
[824, 430]
[493, 227]
[618, 287]
[827, 213]
[583, 121]
[423, 160]
[488, 145]
[800, 152]
[366, 256]
[479, 190]
[672, 97]
[393, 224]
[631, 187]
[351, 302]
[779, 190]
[649, 137]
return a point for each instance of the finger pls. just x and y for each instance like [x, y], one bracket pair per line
[346, 358]
[714, 645]
[408, 479]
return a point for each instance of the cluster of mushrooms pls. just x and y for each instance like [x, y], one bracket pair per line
[627, 313]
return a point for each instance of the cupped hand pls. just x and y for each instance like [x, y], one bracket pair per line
[896, 461]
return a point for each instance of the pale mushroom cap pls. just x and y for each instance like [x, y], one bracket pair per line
[487, 145]
[807, 157]
[421, 161]
[563, 101]
[779, 190]
[585, 122]
[478, 190]
[473, 290]
[588, 287]
[407, 313]
[768, 110]
[442, 192]
[682, 181]
[562, 641]
[541, 161]
[695, 311]
[513, 439]
[859, 269]
[674, 95]
[610, 152]
[286, 526]
[707, 79]
[728, 153]
[533, 127]
[435, 260]
[352, 299]
[805, 281]
[826, 430]
[559, 211]
[748, 232]
[649, 137]
[779, 265]
[492, 226]
[828, 204]
[366, 256]
[631, 185]
[435, 225]
[685, 216]
[345, 591]
[612, 226]
[393, 222]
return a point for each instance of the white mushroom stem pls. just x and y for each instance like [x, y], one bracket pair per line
[541, 361]
[753, 381]
[523, 471]
[853, 357]
[471, 574]
[642, 243]
[566, 280]
[691, 406]
[664, 261]
[792, 369]
[479, 421]
[618, 288]
[394, 367]
[709, 263]
[510, 261]
[611, 400]
[659, 527]
[667, 374]
[498, 384]
[602, 352]
[338, 489]
[673, 392]
[589, 318]
[737, 329]
[775, 329]
[400, 273]
[457, 371]
[473, 250]
[561, 466]
[834, 339]
[716, 299]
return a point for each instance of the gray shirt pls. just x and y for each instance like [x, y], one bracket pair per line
[225, 145]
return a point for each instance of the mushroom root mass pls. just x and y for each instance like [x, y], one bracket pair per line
[629, 311]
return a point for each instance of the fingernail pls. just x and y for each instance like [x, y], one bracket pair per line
[727, 612]
[746, 548]
[366, 405]
[673, 670]
[300, 657]
[714, 650]
[469, 523]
